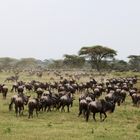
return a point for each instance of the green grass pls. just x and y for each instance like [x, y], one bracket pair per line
[123, 124]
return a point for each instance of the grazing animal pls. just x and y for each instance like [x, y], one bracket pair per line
[82, 107]
[28, 87]
[46, 101]
[136, 99]
[33, 104]
[100, 106]
[19, 101]
[20, 89]
[114, 97]
[3, 90]
[14, 87]
[65, 100]
[39, 74]
[39, 92]
[12, 78]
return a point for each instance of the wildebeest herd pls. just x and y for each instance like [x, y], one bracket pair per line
[94, 97]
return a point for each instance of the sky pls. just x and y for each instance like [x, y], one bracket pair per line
[46, 29]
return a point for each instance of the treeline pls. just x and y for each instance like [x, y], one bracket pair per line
[95, 57]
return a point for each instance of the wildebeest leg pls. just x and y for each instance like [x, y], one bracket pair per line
[100, 116]
[19, 111]
[32, 113]
[105, 116]
[49, 108]
[45, 107]
[87, 114]
[80, 111]
[68, 108]
[59, 105]
[71, 104]
[119, 102]
[5, 95]
[29, 114]
[16, 110]
[62, 109]
[42, 107]
[22, 108]
[94, 116]
[36, 112]
[84, 113]
[123, 100]
[10, 105]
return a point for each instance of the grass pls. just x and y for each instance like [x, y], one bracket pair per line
[123, 124]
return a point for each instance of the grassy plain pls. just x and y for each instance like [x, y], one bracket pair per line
[123, 124]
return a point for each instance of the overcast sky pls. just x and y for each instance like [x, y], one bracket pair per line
[50, 28]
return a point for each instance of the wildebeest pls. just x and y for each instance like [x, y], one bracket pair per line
[14, 87]
[136, 99]
[65, 100]
[28, 86]
[12, 78]
[33, 104]
[39, 92]
[82, 107]
[46, 101]
[100, 106]
[114, 97]
[3, 90]
[18, 86]
[19, 101]
[39, 74]
[20, 89]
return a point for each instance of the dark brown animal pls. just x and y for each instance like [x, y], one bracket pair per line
[33, 104]
[19, 101]
[3, 90]
[65, 100]
[100, 106]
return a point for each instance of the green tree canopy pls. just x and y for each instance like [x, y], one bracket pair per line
[134, 61]
[7, 63]
[56, 64]
[29, 63]
[96, 54]
[119, 65]
[74, 61]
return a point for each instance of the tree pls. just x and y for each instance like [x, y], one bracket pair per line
[119, 65]
[7, 63]
[74, 61]
[134, 62]
[97, 54]
[56, 64]
[27, 63]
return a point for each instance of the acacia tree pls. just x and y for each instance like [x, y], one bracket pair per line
[134, 62]
[74, 61]
[97, 54]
